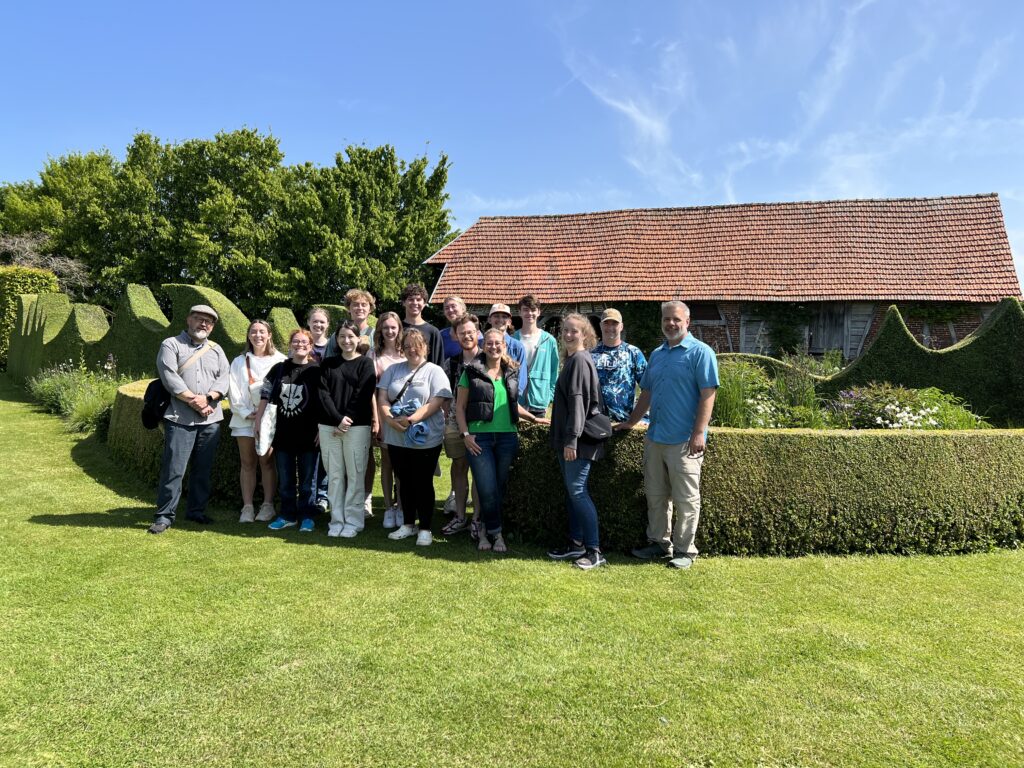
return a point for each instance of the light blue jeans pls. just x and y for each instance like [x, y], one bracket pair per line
[582, 512]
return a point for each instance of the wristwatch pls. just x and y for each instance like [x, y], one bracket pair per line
[465, 435]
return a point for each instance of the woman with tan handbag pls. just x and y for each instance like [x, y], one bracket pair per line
[246, 378]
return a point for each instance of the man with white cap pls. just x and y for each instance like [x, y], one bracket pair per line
[620, 366]
[194, 371]
[500, 317]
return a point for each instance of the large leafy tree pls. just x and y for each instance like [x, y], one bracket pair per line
[227, 213]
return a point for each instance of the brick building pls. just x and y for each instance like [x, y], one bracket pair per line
[844, 261]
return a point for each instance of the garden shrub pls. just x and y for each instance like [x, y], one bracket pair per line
[746, 396]
[883, 406]
[83, 397]
[795, 492]
[14, 282]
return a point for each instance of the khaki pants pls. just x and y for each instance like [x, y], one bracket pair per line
[345, 457]
[669, 475]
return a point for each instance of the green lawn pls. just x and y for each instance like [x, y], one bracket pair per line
[234, 646]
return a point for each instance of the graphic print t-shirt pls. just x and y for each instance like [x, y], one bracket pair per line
[295, 395]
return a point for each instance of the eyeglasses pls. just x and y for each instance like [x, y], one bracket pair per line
[204, 321]
[298, 343]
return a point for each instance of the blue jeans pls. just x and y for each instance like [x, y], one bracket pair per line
[582, 512]
[297, 502]
[321, 481]
[490, 473]
[186, 447]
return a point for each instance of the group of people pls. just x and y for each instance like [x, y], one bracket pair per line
[414, 390]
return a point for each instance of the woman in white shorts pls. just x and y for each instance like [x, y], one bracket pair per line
[247, 373]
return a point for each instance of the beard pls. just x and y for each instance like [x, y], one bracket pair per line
[199, 334]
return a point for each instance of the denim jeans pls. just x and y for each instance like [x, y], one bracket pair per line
[321, 482]
[186, 446]
[490, 472]
[297, 502]
[582, 512]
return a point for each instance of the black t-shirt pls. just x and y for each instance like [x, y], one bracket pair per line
[346, 389]
[435, 344]
[298, 405]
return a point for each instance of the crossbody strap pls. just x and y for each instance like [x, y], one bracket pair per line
[196, 355]
[408, 382]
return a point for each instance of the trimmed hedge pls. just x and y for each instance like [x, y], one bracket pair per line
[139, 450]
[765, 492]
[796, 492]
[986, 369]
[14, 282]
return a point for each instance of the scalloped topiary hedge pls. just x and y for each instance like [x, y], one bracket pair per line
[14, 282]
[765, 492]
[49, 329]
[986, 369]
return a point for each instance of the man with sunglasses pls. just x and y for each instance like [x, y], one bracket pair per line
[194, 371]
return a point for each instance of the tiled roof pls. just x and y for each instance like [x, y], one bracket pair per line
[925, 249]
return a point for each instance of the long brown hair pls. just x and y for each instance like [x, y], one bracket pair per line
[378, 337]
[270, 348]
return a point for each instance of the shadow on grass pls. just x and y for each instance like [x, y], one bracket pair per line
[458, 548]
[93, 457]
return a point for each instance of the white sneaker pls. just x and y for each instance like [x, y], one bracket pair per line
[349, 532]
[389, 517]
[449, 504]
[248, 515]
[335, 529]
[424, 538]
[368, 505]
[266, 513]
[399, 517]
[404, 532]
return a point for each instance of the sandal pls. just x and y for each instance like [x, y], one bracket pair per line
[484, 544]
[499, 544]
[455, 525]
[474, 530]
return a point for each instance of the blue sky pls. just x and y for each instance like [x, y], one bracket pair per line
[551, 107]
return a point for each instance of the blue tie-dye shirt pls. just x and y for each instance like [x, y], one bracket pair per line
[619, 370]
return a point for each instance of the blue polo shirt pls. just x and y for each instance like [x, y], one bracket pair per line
[675, 376]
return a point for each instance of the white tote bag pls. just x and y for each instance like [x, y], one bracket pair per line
[268, 425]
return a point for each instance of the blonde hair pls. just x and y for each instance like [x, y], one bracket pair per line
[589, 336]
[414, 338]
[359, 293]
[506, 361]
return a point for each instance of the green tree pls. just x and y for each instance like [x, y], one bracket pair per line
[226, 213]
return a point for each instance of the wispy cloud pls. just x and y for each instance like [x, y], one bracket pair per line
[591, 196]
[988, 65]
[819, 98]
[647, 108]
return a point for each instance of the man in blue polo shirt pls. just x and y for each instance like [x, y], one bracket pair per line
[679, 388]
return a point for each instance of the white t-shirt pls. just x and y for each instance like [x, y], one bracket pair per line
[531, 343]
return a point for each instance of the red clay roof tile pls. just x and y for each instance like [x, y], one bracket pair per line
[924, 249]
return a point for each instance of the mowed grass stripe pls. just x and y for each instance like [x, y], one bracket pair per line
[233, 646]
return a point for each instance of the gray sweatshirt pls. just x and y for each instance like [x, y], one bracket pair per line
[209, 373]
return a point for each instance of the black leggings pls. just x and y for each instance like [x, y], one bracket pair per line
[414, 468]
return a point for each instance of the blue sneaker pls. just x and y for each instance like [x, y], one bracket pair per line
[306, 526]
[280, 524]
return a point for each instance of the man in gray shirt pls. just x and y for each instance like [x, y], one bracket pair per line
[195, 372]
